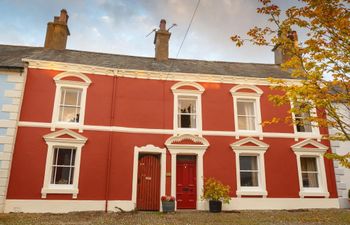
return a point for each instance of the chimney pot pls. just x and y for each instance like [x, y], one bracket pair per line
[283, 55]
[162, 25]
[64, 16]
[57, 32]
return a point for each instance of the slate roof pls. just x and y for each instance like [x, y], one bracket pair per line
[11, 57]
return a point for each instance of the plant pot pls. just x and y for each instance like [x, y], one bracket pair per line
[215, 206]
[168, 206]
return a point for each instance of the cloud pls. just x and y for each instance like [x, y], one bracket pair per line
[120, 26]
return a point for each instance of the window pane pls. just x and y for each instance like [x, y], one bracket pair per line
[310, 180]
[61, 175]
[245, 108]
[187, 105]
[308, 164]
[249, 179]
[187, 121]
[71, 96]
[69, 114]
[65, 156]
[248, 162]
[246, 123]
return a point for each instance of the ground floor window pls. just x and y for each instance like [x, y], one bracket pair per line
[63, 166]
[249, 171]
[62, 163]
[309, 172]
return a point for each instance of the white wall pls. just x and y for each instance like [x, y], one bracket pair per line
[11, 92]
[342, 174]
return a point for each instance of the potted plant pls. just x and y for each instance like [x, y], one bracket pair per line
[216, 193]
[168, 203]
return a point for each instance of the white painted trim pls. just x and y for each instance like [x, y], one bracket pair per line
[154, 75]
[178, 85]
[149, 149]
[317, 152]
[236, 88]
[259, 150]
[85, 78]
[60, 84]
[53, 141]
[65, 206]
[164, 131]
[175, 148]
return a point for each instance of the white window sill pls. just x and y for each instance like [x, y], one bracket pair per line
[58, 190]
[313, 193]
[251, 192]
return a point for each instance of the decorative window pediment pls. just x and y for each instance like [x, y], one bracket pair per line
[249, 143]
[187, 141]
[309, 145]
[65, 135]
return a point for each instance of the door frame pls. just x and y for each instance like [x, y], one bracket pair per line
[149, 149]
[198, 148]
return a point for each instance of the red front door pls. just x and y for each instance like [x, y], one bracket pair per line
[186, 185]
[148, 183]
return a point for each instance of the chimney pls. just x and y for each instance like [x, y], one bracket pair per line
[283, 55]
[57, 32]
[161, 40]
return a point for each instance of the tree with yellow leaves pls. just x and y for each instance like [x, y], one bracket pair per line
[321, 62]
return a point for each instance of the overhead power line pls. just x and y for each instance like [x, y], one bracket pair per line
[188, 28]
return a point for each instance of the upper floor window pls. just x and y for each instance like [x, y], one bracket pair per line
[187, 113]
[70, 105]
[187, 106]
[246, 114]
[302, 123]
[246, 107]
[70, 98]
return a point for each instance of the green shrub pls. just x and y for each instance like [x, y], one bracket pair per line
[215, 190]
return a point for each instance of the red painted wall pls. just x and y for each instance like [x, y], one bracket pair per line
[144, 104]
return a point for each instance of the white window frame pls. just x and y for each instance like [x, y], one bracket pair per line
[53, 141]
[259, 149]
[315, 131]
[254, 96]
[317, 152]
[60, 84]
[195, 92]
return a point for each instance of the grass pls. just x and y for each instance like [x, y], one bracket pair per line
[308, 217]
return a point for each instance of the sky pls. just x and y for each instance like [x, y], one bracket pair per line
[121, 26]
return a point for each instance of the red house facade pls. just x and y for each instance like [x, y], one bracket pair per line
[111, 132]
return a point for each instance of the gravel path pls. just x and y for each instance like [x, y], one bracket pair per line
[308, 217]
